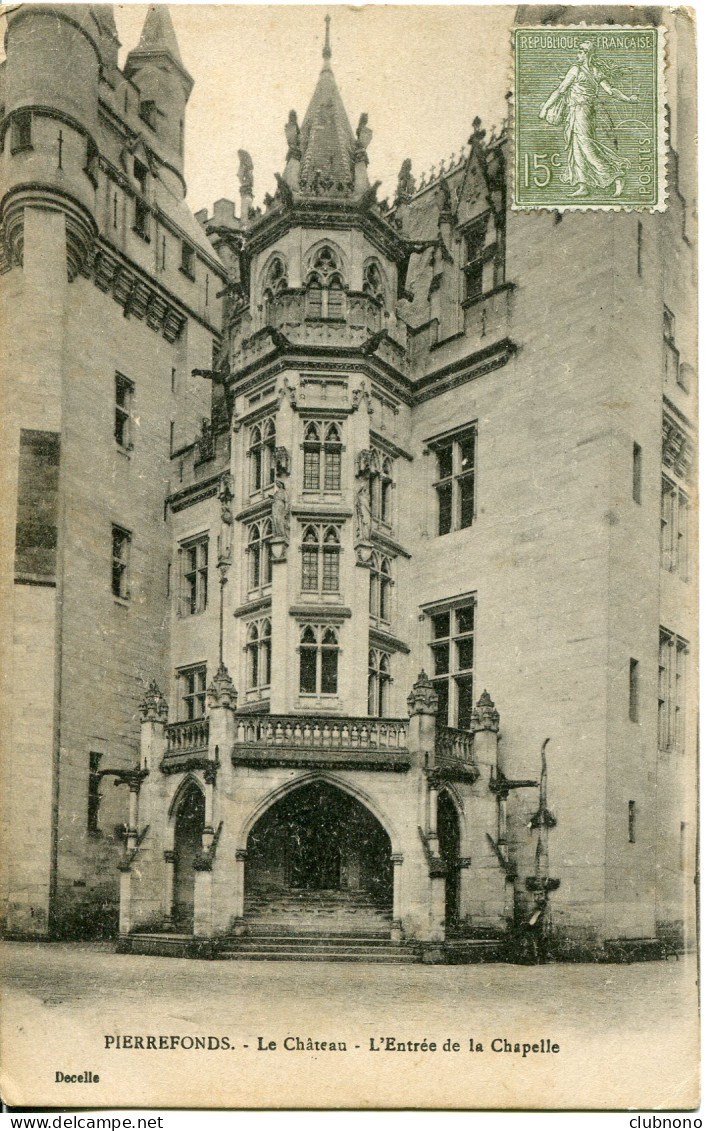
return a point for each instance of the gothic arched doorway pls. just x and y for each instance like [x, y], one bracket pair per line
[318, 859]
[449, 839]
[187, 843]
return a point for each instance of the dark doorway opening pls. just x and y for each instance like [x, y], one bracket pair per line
[319, 849]
[449, 838]
[190, 819]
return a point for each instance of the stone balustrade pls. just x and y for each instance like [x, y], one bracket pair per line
[452, 745]
[187, 737]
[322, 733]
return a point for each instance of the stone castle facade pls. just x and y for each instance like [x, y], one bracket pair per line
[354, 540]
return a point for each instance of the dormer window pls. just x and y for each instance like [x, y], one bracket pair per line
[187, 260]
[474, 258]
[147, 112]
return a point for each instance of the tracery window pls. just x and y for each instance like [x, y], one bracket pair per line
[259, 656]
[274, 283]
[380, 487]
[322, 456]
[672, 663]
[379, 679]
[318, 660]
[381, 580]
[320, 558]
[325, 286]
[373, 281]
[259, 568]
[260, 455]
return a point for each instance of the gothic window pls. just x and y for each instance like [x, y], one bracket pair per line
[142, 212]
[455, 483]
[677, 456]
[91, 167]
[379, 678]
[380, 488]
[672, 662]
[474, 258]
[318, 660]
[194, 575]
[259, 656]
[275, 281]
[123, 397]
[93, 794]
[120, 544]
[325, 286]
[381, 581]
[21, 131]
[673, 369]
[322, 456]
[259, 568]
[321, 547]
[452, 647]
[192, 692]
[148, 112]
[373, 281]
[260, 455]
[187, 260]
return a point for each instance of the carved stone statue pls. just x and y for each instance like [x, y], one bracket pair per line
[364, 133]
[245, 173]
[281, 511]
[282, 461]
[293, 136]
[363, 514]
[406, 181]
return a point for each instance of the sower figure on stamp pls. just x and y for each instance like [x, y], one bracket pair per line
[590, 163]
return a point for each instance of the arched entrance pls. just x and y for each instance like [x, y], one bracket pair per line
[449, 839]
[189, 822]
[318, 860]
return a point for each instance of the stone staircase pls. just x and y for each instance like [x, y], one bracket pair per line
[313, 913]
[275, 946]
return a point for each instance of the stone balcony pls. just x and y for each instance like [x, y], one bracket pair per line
[455, 753]
[324, 741]
[359, 324]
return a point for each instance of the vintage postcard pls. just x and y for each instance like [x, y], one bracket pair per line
[349, 557]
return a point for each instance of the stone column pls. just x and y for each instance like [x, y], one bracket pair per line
[422, 709]
[169, 858]
[239, 921]
[397, 923]
[213, 867]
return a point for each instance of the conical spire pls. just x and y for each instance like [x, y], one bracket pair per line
[158, 33]
[158, 38]
[327, 141]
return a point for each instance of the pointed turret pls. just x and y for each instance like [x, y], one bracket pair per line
[158, 42]
[158, 34]
[327, 150]
[156, 67]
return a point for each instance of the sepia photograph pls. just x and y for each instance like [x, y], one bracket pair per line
[348, 541]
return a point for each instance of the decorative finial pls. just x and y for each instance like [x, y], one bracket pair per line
[326, 53]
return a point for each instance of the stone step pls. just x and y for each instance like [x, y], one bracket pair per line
[304, 942]
[340, 954]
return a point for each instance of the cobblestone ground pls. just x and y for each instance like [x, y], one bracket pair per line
[627, 1035]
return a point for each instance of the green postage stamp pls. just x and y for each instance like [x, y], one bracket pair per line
[589, 117]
